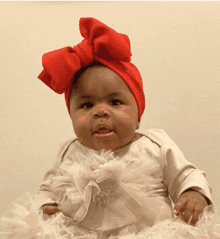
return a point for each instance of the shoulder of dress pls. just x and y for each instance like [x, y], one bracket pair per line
[64, 147]
[155, 135]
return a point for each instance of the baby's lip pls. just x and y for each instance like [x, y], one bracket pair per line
[102, 129]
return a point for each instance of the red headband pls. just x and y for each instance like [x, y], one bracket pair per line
[101, 43]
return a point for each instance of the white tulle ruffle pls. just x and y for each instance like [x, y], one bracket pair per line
[23, 220]
[104, 198]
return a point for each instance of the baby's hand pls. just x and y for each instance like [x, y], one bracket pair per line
[50, 209]
[189, 204]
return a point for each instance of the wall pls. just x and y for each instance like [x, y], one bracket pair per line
[175, 45]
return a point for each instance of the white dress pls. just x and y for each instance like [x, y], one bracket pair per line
[122, 194]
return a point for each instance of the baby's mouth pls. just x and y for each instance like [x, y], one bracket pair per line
[103, 133]
[103, 130]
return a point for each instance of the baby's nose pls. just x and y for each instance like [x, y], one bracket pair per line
[100, 111]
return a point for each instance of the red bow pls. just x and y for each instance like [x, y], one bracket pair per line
[101, 42]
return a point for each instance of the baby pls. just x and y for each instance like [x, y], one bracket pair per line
[105, 100]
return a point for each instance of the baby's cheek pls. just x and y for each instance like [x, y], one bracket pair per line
[83, 133]
[81, 125]
[122, 113]
[82, 118]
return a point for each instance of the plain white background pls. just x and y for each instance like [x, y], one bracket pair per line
[176, 47]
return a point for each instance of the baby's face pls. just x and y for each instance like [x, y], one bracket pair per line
[103, 110]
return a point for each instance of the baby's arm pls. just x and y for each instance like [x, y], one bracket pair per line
[50, 201]
[180, 176]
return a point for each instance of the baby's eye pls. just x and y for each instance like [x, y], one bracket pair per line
[86, 105]
[116, 102]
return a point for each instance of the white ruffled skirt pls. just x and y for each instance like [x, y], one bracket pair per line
[103, 200]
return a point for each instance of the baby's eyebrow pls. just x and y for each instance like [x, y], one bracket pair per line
[112, 94]
[84, 97]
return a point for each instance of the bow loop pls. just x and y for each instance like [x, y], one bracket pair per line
[107, 43]
[59, 68]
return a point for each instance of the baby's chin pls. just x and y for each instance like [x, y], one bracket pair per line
[108, 144]
[107, 147]
[102, 146]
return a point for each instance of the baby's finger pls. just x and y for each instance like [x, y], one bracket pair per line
[179, 205]
[65, 214]
[197, 211]
[50, 209]
[188, 211]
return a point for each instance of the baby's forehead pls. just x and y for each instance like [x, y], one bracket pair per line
[84, 96]
[99, 79]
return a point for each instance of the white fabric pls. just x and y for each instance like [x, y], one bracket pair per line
[173, 173]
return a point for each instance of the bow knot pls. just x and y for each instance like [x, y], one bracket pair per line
[84, 51]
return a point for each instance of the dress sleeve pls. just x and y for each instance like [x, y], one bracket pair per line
[45, 192]
[179, 174]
